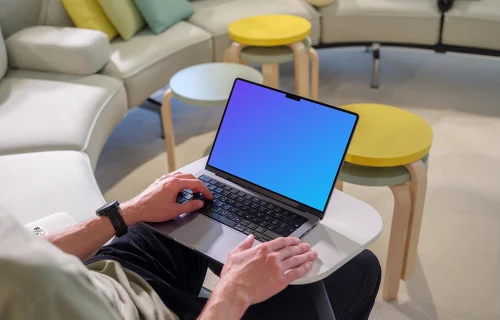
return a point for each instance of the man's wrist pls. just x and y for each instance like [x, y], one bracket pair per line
[232, 297]
[130, 213]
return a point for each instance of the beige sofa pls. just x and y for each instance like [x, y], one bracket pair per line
[57, 108]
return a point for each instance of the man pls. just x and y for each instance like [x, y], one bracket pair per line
[143, 275]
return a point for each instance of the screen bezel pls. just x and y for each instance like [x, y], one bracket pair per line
[266, 192]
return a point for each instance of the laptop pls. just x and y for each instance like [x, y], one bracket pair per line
[272, 170]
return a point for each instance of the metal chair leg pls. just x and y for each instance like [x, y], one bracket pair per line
[376, 65]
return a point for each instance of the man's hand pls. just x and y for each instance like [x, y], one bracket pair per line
[252, 275]
[158, 202]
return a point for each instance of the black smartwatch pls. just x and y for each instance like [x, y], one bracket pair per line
[112, 211]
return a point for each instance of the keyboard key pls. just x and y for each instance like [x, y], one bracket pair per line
[224, 213]
[263, 224]
[218, 203]
[296, 223]
[260, 230]
[260, 215]
[275, 222]
[241, 193]
[265, 239]
[231, 216]
[279, 230]
[267, 218]
[287, 231]
[252, 211]
[239, 213]
[216, 195]
[226, 206]
[237, 219]
[248, 197]
[234, 190]
[220, 185]
[277, 215]
[238, 205]
[188, 196]
[254, 205]
[248, 231]
[270, 206]
[244, 208]
[271, 227]
[221, 219]
[245, 222]
[188, 191]
[211, 187]
[256, 200]
[232, 209]
[239, 227]
[216, 209]
[218, 190]
[226, 187]
[262, 209]
[263, 203]
[223, 199]
[271, 234]
[270, 212]
[255, 220]
[284, 219]
[252, 226]
[283, 212]
[257, 235]
[247, 216]
[233, 196]
[240, 199]
[293, 216]
[247, 202]
[225, 193]
[283, 226]
[205, 178]
[206, 183]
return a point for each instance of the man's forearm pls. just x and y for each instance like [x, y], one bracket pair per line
[225, 303]
[85, 238]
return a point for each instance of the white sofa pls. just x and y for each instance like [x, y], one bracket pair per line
[56, 117]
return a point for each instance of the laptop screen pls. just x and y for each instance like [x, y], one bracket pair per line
[292, 148]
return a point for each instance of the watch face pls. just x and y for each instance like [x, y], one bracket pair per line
[106, 206]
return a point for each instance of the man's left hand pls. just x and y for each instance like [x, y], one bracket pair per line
[158, 202]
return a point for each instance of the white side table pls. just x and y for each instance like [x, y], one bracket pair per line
[349, 227]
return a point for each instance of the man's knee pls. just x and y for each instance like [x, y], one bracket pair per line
[367, 263]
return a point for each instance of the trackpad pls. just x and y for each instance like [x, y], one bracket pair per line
[202, 234]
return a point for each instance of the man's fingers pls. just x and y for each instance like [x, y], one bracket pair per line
[300, 259]
[280, 243]
[188, 206]
[246, 244]
[195, 185]
[298, 272]
[295, 250]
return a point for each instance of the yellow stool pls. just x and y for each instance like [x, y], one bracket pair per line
[274, 31]
[390, 148]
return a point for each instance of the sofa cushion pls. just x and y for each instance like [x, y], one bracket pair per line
[3, 56]
[396, 21]
[473, 24]
[162, 14]
[216, 15]
[88, 14]
[47, 111]
[35, 185]
[124, 16]
[56, 49]
[147, 61]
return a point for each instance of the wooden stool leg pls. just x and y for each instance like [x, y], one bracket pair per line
[301, 69]
[339, 185]
[418, 188]
[168, 129]
[399, 228]
[313, 55]
[271, 73]
[232, 54]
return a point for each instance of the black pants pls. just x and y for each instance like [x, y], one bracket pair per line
[177, 273]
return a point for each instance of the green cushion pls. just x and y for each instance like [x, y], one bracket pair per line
[124, 16]
[162, 14]
[279, 54]
[375, 176]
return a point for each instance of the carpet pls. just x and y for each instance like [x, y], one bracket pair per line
[457, 275]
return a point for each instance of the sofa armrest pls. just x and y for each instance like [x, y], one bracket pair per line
[58, 49]
[52, 223]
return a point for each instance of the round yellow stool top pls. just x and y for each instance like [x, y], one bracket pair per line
[269, 30]
[387, 136]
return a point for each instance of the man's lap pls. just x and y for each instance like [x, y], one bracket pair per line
[177, 273]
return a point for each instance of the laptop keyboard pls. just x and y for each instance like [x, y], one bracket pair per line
[244, 212]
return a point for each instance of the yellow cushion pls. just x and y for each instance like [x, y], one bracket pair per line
[88, 14]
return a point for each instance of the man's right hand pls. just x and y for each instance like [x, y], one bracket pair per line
[252, 275]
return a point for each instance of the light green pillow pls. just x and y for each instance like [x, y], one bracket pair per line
[162, 14]
[124, 16]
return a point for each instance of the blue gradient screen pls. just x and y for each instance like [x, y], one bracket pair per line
[293, 148]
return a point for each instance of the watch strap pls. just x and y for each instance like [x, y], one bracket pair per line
[112, 212]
